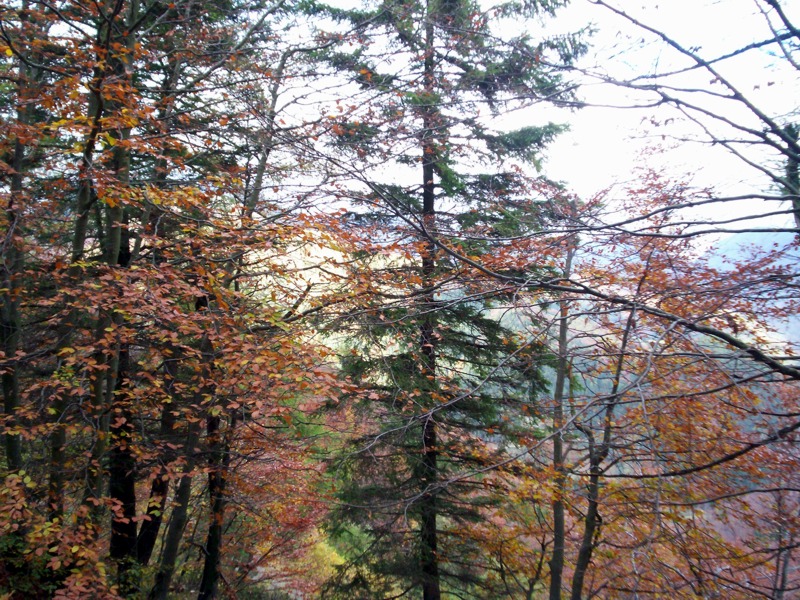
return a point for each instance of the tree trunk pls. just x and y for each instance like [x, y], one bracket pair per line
[9, 302]
[216, 491]
[177, 522]
[86, 198]
[122, 484]
[219, 462]
[562, 370]
[428, 531]
[591, 521]
[429, 559]
[107, 387]
[598, 455]
[159, 488]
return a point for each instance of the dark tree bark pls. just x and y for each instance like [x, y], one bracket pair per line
[429, 560]
[10, 271]
[116, 249]
[562, 370]
[159, 488]
[122, 482]
[218, 443]
[219, 461]
[177, 522]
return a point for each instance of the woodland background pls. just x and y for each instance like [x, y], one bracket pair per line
[288, 310]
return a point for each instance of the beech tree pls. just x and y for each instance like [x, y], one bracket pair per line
[726, 329]
[679, 411]
[139, 249]
[661, 414]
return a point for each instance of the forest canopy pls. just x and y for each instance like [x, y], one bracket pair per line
[292, 305]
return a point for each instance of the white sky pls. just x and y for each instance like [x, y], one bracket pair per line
[605, 145]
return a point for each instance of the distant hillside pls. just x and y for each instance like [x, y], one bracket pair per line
[735, 247]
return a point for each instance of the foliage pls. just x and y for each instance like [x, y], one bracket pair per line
[287, 309]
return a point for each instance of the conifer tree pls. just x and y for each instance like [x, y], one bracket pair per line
[440, 365]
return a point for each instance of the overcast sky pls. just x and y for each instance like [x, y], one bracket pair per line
[605, 145]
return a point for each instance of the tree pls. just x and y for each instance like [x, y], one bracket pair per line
[433, 356]
[709, 97]
[138, 252]
[660, 416]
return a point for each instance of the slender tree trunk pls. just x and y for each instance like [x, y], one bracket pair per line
[100, 380]
[12, 270]
[9, 302]
[598, 455]
[591, 522]
[122, 483]
[783, 558]
[86, 197]
[122, 463]
[219, 461]
[156, 505]
[177, 522]
[562, 370]
[429, 559]
[107, 388]
[11, 273]
[429, 510]
[159, 488]
[216, 494]
[86, 194]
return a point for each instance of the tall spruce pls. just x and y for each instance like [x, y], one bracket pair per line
[440, 366]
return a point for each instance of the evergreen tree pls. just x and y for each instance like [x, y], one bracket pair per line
[441, 366]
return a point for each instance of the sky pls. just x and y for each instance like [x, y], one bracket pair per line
[606, 145]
